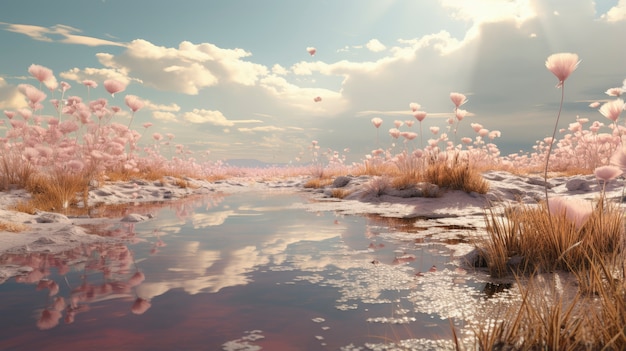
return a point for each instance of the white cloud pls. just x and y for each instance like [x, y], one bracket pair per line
[48, 33]
[164, 116]
[207, 116]
[261, 129]
[616, 13]
[375, 45]
[10, 98]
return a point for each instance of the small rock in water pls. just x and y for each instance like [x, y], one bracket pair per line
[50, 217]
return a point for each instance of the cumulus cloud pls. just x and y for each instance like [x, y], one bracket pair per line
[187, 68]
[213, 117]
[164, 116]
[616, 13]
[375, 45]
[10, 98]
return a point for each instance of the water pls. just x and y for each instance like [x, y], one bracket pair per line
[245, 271]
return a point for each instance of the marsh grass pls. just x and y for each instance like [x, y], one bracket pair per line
[456, 176]
[525, 239]
[12, 227]
[55, 192]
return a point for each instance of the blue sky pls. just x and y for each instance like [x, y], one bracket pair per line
[235, 78]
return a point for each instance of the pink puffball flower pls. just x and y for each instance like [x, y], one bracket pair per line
[317, 99]
[434, 130]
[614, 92]
[414, 106]
[33, 94]
[133, 102]
[398, 123]
[562, 65]
[49, 319]
[311, 50]
[483, 132]
[460, 114]
[394, 132]
[458, 99]
[9, 114]
[419, 115]
[90, 83]
[612, 109]
[409, 135]
[377, 122]
[606, 173]
[409, 123]
[157, 136]
[136, 279]
[147, 125]
[494, 134]
[114, 86]
[65, 86]
[40, 73]
[466, 140]
[575, 210]
[476, 126]
[140, 306]
[594, 104]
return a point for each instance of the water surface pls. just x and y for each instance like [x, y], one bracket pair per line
[245, 271]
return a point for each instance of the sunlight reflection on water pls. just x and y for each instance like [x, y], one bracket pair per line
[242, 272]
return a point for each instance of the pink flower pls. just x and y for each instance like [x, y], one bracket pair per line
[419, 115]
[147, 125]
[90, 83]
[398, 123]
[49, 319]
[562, 65]
[157, 136]
[114, 86]
[614, 92]
[377, 122]
[575, 210]
[476, 126]
[9, 114]
[317, 99]
[33, 94]
[409, 135]
[409, 123]
[136, 279]
[607, 173]
[133, 102]
[466, 140]
[311, 51]
[65, 86]
[40, 73]
[414, 106]
[460, 114]
[140, 306]
[434, 130]
[612, 109]
[458, 99]
[394, 132]
[594, 104]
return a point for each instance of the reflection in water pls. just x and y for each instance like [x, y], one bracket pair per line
[244, 271]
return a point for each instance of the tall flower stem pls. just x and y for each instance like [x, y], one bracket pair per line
[556, 125]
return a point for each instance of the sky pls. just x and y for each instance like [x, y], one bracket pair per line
[234, 78]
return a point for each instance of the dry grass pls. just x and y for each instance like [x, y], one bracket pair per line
[317, 183]
[525, 239]
[556, 315]
[340, 193]
[56, 192]
[457, 176]
[12, 227]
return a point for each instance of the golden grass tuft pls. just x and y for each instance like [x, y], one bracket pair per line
[458, 176]
[56, 192]
[317, 183]
[12, 227]
[340, 193]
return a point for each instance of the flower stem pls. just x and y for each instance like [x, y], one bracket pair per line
[556, 125]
